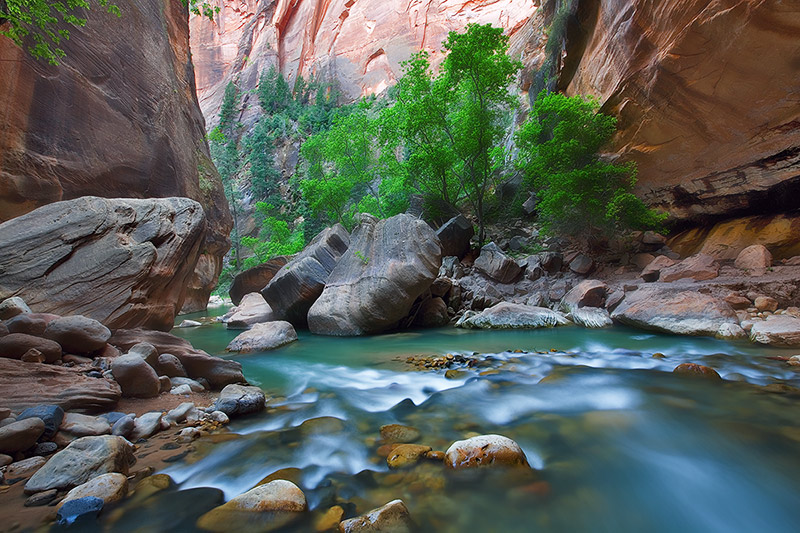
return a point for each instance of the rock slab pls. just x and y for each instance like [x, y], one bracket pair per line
[263, 337]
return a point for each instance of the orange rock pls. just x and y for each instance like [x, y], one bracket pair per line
[692, 369]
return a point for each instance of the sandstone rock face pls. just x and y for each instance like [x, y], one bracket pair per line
[293, 290]
[122, 262]
[388, 265]
[256, 278]
[683, 313]
[359, 44]
[732, 145]
[263, 337]
[25, 385]
[131, 126]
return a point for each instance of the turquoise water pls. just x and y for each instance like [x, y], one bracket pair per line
[618, 442]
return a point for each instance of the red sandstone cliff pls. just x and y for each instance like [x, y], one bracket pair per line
[117, 118]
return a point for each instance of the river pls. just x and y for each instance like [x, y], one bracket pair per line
[619, 443]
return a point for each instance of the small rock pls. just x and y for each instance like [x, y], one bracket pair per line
[330, 520]
[391, 518]
[483, 451]
[264, 508]
[178, 415]
[45, 448]
[651, 237]
[136, 378]
[51, 415]
[391, 433]
[4, 413]
[238, 400]
[180, 390]
[189, 434]
[164, 384]
[124, 426]
[737, 301]
[731, 331]
[405, 455]
[41, 498]
[81, 511]
[145, 350]
[25, 468]
[20, 435]
[5, 460]
[766, 303]
[194, 385]
[695, 370]
[78, 334]
[11, 307]
[169, 365]
[777, 330]
[641, 261]
[582, 264]
[33, 356]
[455, 235]
[146, 426]
[110, 488]
[588, 293]
[189, 324]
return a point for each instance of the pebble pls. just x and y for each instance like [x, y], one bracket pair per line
[41, 498]
[45, 448]
[25, 468]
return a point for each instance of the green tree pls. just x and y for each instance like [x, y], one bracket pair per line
[580, 193]
[264, 175]
[274, 94]
[275, 237]
[452, 126]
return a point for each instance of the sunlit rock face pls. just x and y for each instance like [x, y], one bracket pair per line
[708, 96]
[360, 43]
[118, 118]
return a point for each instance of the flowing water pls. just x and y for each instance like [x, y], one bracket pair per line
[617, 441]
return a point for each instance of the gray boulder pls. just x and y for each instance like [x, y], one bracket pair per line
[263, 337]
[495, 264]
[146, 426]
[28, 323]
[82, 460]
[455, 235]
[78, 425]
[253, 309]
[293, 290]
[11, 307]
[389, 264]
[136, 378]
[587, 293]
[123, 262]
[582, 264]
[170, 366]
[78, 334]
[237, 400]
[513, 316]
[777, 330]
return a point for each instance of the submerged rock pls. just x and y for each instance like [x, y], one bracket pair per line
[391, 518]
[391, 433]
[695, 370]
[513, 316]
[389, 264]
[405, 455]
[484, 451]
[264, 508]
[263, 337]
[237, 400]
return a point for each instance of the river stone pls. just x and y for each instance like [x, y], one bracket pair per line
[238, 400]
[78, 334]
[253, 309]
[766, 303]
[683, 313]
[256, 278]
[79, 511]
[513, 316]
[591, 317]
[404, 455]
[178, 414]
[41, 498]
[484, 451]
[695, 370]
[653, 270]
[27, 323]
[263, 337]
[264, 508]
[198, 364]
[755, 258]
[45, 448]
[495, 264]
[432, 314]
[15, 345]
[698, 267]
[124, 426]
[79, 425]
[82, 460]
[777, 330]
[293, 290]
[391, 518]
[170, 366]
[737, 301]
[25, 468]
[389, 264]
[194, 386]
[730, 331]
[146, 426]
[454, 236]
[11, 307]
[136, 378]
[20, 435]
[110, 488]
[51, 415]
[391, 433]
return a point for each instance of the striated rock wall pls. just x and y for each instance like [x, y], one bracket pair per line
[360, 44]
[708, 96]
[117, 118]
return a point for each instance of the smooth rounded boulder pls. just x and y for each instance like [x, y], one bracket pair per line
[11, 307]
[15, 345]
[263, 337]
[110, 488]
[391, 518]
[264, 508]
[484, 451]
[237, 400]
[136, 378]
[389, 264]
[20, 435]
[78, 334]
[507, 315]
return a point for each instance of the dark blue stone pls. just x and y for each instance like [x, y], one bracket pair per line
[86, 508]
[51, 415]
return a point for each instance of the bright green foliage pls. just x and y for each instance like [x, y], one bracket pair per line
[274, 94]
[345, 173]
[275, 237]
[451, 127]
[264, 175]
[227, 111]
[580, 194]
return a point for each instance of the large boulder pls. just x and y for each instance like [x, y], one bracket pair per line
[485, 451]
[507, 315]
[123, 262]
[684, 313]
[755, 258]
[252, 309]
[238, 400]
[14, 346]
[136, 378]
[20, 435]
[454, 236]
[263, 337]
[82, 460]
[698, 267]
[29, 323]
[293, 290]
[389, 264]
[264, 508]
[391, 518]
[495, 264]
[78, 334]
[588, 293]
[777, 330]
[256, 278]
[197, 363]
[24, 385]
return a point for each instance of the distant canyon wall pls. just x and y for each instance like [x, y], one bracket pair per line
[117, 118]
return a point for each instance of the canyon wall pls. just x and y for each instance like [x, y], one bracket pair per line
[117, 118]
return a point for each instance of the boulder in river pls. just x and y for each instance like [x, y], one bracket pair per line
[263, 337]
[82, 460]
[237, 400]
[264, 508]
[484, 451]
[507, 315]
[78, 334]
[253, 309]
[124, 262]
[391, 518]
[256, 278]
[591, 317]
[296, 286]
[695, 370]
[389, 264]
[683, 313]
